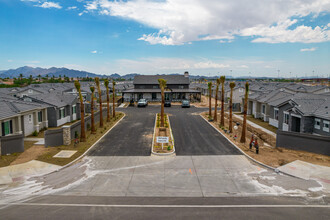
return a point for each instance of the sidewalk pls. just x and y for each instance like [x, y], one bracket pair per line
[256, 126]
[20, 172]
[39, 141]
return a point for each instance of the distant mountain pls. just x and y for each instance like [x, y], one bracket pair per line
[53, 71]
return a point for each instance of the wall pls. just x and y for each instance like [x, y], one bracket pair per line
[28, 126]
[12, 144]
[54, 137]
[304, 142]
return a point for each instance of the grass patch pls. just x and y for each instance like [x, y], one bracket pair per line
[81, 146]
[6, 160]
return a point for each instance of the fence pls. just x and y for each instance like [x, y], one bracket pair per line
[54, 137]
[302, 141]
[11, 144]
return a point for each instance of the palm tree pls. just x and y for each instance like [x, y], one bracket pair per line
[93, 130]
[39, 76]
[162, 85]
[82, 113]
[222, 81]
[113, 99]
[210, 98]
[232, 86]
[21, 76]
[47, 76]
[216, 100]
[245, 112]
[106, 83]
[97, 81]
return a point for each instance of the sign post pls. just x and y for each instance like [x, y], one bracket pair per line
[162, 140]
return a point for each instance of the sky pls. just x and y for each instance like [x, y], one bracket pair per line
[258, 38]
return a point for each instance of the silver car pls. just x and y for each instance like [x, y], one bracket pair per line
[142, 103]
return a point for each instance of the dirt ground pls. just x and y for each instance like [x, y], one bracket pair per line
[30, 154]
[268, 153]
[205, 102]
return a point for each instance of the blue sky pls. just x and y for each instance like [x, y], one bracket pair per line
[203, 37]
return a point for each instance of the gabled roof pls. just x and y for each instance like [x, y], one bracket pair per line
[55, 99]
[153, 79]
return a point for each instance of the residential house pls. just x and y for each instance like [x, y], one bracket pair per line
[61, 108]
[147, 87]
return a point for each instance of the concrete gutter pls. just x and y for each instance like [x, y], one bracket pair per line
[248, 156]
[153, 138]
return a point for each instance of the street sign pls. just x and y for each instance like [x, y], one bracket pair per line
[162, 140]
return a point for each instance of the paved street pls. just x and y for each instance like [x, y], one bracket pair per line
[208, 178]
[192, 135]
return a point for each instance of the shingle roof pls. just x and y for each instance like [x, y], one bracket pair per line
[153, 79]
[55, 99]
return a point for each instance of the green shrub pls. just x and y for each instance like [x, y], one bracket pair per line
[35, 133]
[76, 135]
[169, 148]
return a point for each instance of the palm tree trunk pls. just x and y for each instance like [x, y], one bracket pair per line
[244, 119]
[108, 105]
[82, 123]
[210, 100]
[101, 115]
[92, 117]
[216, 104]
[162, 109]
[222, 120]
[231, 111]
[113, 102]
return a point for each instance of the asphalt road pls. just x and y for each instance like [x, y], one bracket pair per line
[192, 135]
[73, 207]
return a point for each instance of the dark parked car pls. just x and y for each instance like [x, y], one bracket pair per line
[185, 104]
[142, 103]
[167, 103]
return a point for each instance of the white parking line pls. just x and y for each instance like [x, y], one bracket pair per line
[168, 206]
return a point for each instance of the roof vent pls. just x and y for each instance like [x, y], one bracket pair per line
[186, 74]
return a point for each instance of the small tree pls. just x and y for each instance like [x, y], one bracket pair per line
[106, 83]
[93, 130]
[97, 81]
[39, 76]
[21, 76]
[82, 113]
[210, 98]
[222, 119]
[216, 101]
[245, 112]
[162, 85]
[232, 86]
[113, 99]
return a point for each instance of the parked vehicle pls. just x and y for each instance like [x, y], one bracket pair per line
[142, 103]
[131, 102]
[185, 104]
[167, 103]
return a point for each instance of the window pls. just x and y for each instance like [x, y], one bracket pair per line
[74, 109]
[7, 127]
[263, 109]
[141, 87]
[317, 123]
[286, 118]
[61, 113]
[40, 116]
[276, 114]
[181, 87]
[30, 118]
[240, 90]
[155, 87]
[326, 126]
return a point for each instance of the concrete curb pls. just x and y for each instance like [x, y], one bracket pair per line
[153, 138]
[78, 158]
[249, 157]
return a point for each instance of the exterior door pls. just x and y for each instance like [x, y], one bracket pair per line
[295, 124]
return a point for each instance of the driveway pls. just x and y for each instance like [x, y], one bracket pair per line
[192, 135]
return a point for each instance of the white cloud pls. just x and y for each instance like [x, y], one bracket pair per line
[71, 8]
[94, 51]
[182, 21]
[243, 66]
[10, 61]
[308, 49]
[49, 5]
